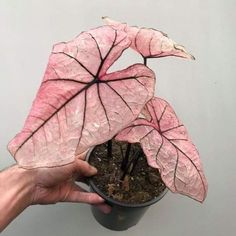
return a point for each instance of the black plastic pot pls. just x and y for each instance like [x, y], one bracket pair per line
[122, 215]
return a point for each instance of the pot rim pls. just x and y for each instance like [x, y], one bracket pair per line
[122, 204]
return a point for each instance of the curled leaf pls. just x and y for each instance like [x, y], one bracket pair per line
[166, 144]
[78, 104]
[150, 43]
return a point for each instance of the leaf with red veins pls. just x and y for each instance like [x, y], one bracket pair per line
[150, 43]
[167, 147]
[78, 105]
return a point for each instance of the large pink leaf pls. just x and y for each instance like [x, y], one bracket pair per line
[78, 105]
[167, 147]
[150, 43]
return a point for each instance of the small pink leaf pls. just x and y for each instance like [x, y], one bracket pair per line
[150, 43]
[78, 105]
[167, 147]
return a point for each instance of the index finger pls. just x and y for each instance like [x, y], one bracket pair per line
[82, 156]
[83, 168]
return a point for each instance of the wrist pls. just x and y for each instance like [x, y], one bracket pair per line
[21, 181]
[16, 189]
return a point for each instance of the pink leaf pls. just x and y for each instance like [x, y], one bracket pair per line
[167, 147]
[78, 105]
[150, 43]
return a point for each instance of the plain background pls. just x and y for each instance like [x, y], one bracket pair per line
[202, 93]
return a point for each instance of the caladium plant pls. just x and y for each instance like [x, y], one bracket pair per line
[80, 105]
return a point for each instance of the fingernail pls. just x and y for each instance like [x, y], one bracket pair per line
[100, 199]
[107, 209]
[94, 169]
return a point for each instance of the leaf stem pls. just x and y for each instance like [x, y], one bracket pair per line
[109, 149]
[135, 161]
[145, 61]
[126, 158]
[131, 165]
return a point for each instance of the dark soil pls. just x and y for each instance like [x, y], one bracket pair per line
[143, 184]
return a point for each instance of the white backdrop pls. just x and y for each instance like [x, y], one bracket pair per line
[202, 93]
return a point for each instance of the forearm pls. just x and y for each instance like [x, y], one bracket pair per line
[16, 186]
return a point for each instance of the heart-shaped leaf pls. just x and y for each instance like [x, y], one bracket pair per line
[167, 147]
[78, 105]
[150, 43]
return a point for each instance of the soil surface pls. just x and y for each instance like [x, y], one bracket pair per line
[143, 184]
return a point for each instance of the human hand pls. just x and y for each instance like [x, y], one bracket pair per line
[57, 184]
[20, 188]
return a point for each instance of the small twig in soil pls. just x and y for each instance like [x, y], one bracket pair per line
[122, 153]
[126, 158]
[131, 165]
[135, 161]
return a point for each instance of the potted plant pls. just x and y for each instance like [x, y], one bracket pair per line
[80, 106]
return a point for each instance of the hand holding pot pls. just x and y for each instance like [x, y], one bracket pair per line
[20, 188]
[57, 184]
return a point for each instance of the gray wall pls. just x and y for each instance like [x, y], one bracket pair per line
[202, 92]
